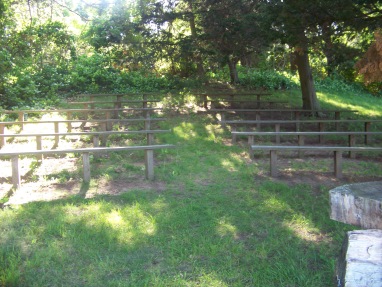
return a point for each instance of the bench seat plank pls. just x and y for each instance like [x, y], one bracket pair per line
[149, 158]
[337, 150]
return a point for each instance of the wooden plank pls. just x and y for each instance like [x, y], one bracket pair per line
[360, 261]
[273, 163]
[338, 164]
[2, 140]
[149, 164]
[86, 166]
[357, 204]
[336, 149]
[15, 172]
[317, 148]
[81, 150]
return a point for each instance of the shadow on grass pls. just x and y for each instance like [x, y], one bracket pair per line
[211, 226]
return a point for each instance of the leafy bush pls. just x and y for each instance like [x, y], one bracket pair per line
[265, 79]
[337, 84]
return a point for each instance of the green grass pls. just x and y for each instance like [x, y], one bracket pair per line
[217, 222]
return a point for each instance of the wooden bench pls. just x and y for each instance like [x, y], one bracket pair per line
[338, 150]
[294, 113]
[205, 95]
[118, 97]
[321, 123]
[301, 136]
[69, 112]
[244, 103]
[149, 158]
[105, 125]
[116, 104]
[96, 136]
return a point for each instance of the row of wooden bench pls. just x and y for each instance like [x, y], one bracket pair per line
[105, 129]
[286, 114]
[337, 151]
[300, 134]
[104, 125]
[300, 148]
[148, 149]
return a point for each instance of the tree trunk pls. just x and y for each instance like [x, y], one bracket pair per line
[233, 71]
[197, 57]
[309, 97]
[328, 49]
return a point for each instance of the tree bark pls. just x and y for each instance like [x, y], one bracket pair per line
[328, 48]
[233, 71]
[309, 97]
[197, 57]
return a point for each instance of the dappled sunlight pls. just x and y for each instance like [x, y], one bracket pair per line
[362, 107]
[185, 131]
[211, 280]
[275, 204]
[229, 165]
[305, 229]
[225, 228]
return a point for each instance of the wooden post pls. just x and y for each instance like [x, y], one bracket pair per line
[150, 138]
[205, 103]
[56, 137]
[251, 140]
[278, 140]
[109, 124]
[338, 164]
[234, 137]
[144, 102]
[321, 127]
[258, 125]
[367, 129]
[2, 140]
[277, 128]
[15, 172]
[21, 119]
[86, 166]
[273, 163]
[223, 119]
[301, 142]
[39, 146]
[95, 140]
[69, 125]
[103, 127]
[149, 164]
[351, 143]
[337, 117]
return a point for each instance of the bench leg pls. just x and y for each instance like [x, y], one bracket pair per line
[301, 142]
[273, 163]
[338, 164]
[15, 172]
[251, 140]
[2, 141]
[351, 143]
[86, 166]
[39, 146]
[149, 163]
[367, 129]
[69, 125]
[234, 137]
[56, 138]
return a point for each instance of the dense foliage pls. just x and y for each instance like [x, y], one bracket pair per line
[50, 50]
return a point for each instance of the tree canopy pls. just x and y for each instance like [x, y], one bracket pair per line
[50, 47]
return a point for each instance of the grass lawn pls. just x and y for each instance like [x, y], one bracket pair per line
[212, 217]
